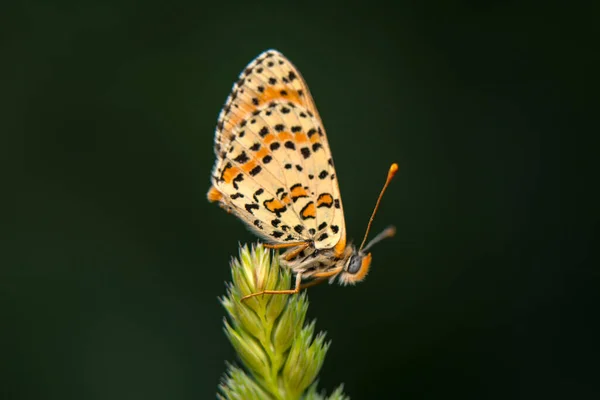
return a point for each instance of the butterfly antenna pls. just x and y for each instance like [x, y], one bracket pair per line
[388, 232]
[391, 173]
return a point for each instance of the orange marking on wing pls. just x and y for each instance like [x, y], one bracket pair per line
[273, 205]
[230, 173]
[314, 139]
[249, 166]
[262, 152]
[340, 247]
[301, 137]
[274, 93]
[286, 199]
[325, 200]
[299, 191]
[213, 194]
[309, 211]
[285, 136]
[269, 138]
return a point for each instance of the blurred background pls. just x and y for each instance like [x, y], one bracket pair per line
[113, 260]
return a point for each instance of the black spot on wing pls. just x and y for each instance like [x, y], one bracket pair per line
[254, 171]
[242, 158]
[305, 152]
[257, 193]
[238, 178]
[255, 147]
[225, 168]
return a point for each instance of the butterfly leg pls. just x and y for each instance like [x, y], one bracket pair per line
[312, 283]
[289, 291]
[329, 273]
[320, 278]
[288, 256]
[292, 254]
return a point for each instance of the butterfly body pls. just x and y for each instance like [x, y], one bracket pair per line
[275, 172]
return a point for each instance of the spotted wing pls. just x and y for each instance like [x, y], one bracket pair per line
[274, 168]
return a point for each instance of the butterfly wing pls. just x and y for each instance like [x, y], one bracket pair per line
[274, 168]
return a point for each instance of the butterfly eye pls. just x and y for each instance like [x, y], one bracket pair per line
[354, 264]
[357, 268]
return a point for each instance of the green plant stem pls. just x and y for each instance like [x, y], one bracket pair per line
[282, 355]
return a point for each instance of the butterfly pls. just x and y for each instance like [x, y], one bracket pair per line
[275, 172]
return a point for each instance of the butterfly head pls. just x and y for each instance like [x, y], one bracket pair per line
[358, 262]
[356, 267]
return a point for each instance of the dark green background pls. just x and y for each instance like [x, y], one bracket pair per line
[113, 259]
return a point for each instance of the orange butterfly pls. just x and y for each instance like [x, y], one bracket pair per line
[274, 171]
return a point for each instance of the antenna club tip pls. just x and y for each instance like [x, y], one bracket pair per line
[393, 170]
[391, 231]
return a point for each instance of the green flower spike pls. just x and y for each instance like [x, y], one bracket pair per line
[281, 354]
